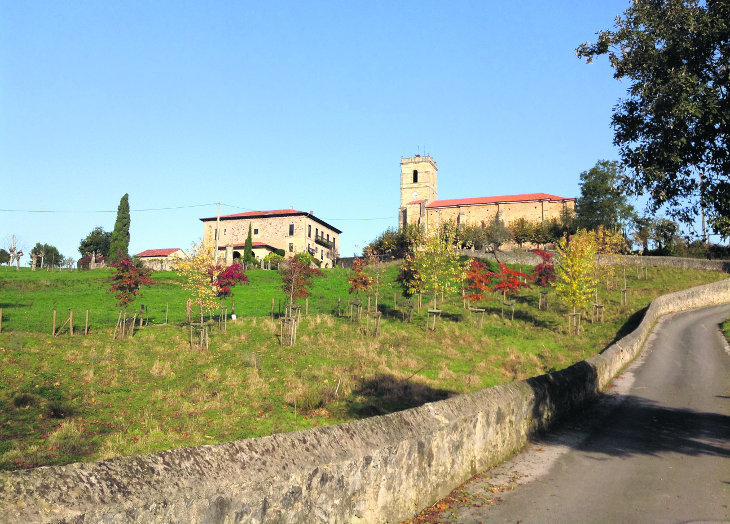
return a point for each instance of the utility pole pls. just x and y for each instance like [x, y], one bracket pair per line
[217, 233]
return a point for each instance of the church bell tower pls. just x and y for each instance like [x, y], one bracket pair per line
[417, 187]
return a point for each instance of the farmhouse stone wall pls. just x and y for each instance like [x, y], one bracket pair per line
[381, 469]
[274, 230]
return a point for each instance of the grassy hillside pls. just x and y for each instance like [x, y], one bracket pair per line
[28, 298]
[65, 399]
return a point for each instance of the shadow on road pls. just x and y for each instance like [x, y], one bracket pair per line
[640, 426]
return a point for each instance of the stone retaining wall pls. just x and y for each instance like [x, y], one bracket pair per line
[528, 258]
[382, 469]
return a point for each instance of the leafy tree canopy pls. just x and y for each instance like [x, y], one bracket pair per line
[395, 243]
[602, 200]
[4, 256]
[51, 255]
[98, 241]
[673, 128]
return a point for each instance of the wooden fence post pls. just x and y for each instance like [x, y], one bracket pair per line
[71, 321]
[86, 326]
[167, 310]
[53, 332]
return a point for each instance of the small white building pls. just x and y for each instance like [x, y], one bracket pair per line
[160, 259]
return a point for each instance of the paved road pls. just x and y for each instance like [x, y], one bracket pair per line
[656, 449]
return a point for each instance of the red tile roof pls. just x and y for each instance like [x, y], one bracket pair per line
[274, 213]
[529, 197]
[248, 214]
[157, 252]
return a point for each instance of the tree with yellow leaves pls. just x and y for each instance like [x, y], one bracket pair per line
[437, 264]
[575, 269]
[198, 276]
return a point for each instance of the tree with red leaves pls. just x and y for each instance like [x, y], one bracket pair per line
[478, 279]
[361, 281]
[544, 273]
[128, 280]
[225, 279]
[509, 281]
[297, 278]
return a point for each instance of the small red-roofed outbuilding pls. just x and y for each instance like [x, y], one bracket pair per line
[161, 259]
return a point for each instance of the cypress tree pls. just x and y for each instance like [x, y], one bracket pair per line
[119, 246]
[248, 257]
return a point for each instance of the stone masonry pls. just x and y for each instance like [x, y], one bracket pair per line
[419, 204]
[287, 229]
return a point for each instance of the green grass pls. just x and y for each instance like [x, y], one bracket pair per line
[65, 399]
[28, 298]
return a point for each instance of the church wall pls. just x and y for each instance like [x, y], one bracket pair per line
[475, 215]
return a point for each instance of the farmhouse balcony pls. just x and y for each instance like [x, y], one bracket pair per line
[324, 242]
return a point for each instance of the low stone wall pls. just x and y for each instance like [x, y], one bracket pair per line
[381, 469]
[531, 259]
[700, 264]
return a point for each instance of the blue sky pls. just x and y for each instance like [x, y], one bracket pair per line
[267, 105]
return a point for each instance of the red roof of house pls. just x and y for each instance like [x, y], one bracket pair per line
[157, 252]
[274, 212]
[528, 197]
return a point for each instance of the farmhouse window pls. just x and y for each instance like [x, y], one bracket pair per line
[291, 230]
[255, 231]
[309, 230]
[415, 176]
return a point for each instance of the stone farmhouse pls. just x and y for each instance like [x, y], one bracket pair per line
[286, 230]
[160, 259]
[419, 203]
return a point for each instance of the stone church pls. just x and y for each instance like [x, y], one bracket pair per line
[419, 203]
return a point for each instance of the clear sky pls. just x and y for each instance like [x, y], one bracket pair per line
[269, 105]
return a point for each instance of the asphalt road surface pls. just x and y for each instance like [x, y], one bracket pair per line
[656, 448]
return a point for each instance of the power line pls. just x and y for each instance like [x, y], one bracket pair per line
[170, 208]
[323, 218]
[102, 210]
[359, 219]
